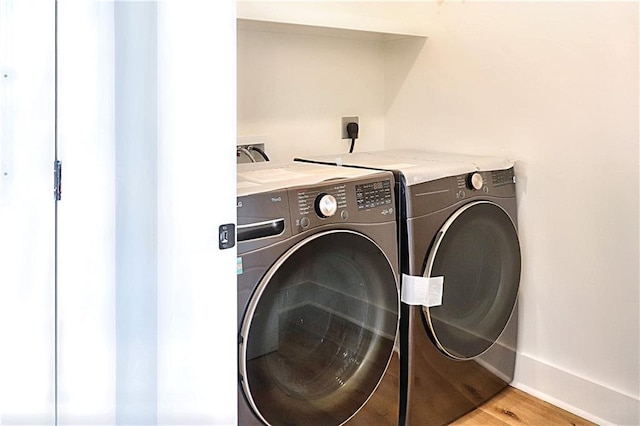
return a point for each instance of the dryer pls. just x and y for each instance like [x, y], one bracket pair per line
[460, 263]
[318, 296]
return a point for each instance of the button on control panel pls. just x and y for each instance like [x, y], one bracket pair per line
[475, 181]
[326, 205]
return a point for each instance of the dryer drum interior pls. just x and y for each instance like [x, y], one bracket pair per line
[478, 253]
[319, 330]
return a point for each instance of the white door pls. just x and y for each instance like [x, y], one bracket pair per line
[27, 231]
[141, 305]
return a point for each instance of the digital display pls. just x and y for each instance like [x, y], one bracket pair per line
[502, 177]
[374, 194]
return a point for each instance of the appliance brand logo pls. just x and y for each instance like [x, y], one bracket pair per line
[276, 199]
[239, 204]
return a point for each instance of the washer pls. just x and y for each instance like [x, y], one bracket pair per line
[460, 263]
[318, 296]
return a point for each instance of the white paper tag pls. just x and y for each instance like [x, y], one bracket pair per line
[422, 290]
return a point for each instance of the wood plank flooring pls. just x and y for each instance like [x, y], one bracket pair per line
[514, 407]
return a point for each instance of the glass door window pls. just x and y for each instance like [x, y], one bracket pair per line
[478, 254]
[320, 330]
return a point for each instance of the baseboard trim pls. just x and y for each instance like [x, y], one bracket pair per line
[583, 397]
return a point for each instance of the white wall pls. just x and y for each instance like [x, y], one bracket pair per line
[554, 86]
[295, 88]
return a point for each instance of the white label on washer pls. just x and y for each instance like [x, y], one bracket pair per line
[425, 291]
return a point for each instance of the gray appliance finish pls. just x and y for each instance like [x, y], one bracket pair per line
[318, 296]
[457, 220]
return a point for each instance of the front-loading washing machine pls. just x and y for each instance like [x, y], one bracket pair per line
[318, 296]
[460, 263]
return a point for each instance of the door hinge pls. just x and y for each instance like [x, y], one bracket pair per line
[57, 180]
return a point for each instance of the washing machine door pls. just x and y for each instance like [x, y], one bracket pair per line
[478, 253]
[319, 331]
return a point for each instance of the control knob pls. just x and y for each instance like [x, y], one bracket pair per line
[326, 205]
[475, 181]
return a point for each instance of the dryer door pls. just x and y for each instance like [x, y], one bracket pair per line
[478, 253]
[319, 331]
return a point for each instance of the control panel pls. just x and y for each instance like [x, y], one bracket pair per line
[323, 202]
[471, 183]
[361, 200]
[435, 195]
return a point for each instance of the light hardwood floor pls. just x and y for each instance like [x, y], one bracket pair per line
[514, 407]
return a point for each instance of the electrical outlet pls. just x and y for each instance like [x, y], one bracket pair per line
[343, 125]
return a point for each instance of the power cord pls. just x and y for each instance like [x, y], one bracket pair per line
[352, 133]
